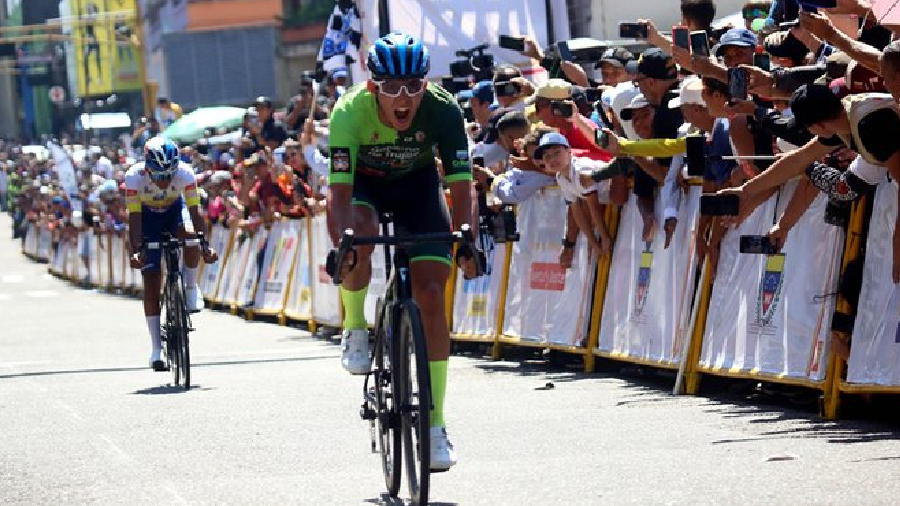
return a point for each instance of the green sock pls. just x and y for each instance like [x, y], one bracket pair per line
[438, 369]
[354, 308]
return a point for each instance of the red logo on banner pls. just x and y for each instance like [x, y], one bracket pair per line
[548, 276]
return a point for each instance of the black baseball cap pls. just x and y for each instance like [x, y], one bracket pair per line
[618, 56]
[813, 103]
[492, 134]
[654, 63]
[263, 100]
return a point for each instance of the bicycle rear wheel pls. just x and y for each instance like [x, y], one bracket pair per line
[387, 415]
[415, 402]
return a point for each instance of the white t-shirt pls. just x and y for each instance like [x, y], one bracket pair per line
[3, 180]
[570, 184]
[105, 168]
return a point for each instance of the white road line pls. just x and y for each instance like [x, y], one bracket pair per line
[41, 294]
[176, 495]
[71, 410]
[13, 278]
[114, 447]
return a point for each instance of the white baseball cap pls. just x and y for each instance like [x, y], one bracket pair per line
[691, 93]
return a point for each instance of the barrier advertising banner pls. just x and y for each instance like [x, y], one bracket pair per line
[218, 240]
[281, 249]
[546, 303]
[43, 246]
[326, 298]
[300, 299]
[875, 352]
[476, 302]
[648, 297]
[771, 314]
[251, 271]
[118, 262]
[234, 270]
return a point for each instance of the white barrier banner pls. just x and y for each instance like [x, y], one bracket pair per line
[300, 300]
[649, 293]
[94, 259]
[247, 288]
[476, 302]
[234, 269]
[44, 243]
[118, 262]
[58, 265]
[875, 352]
[769, 314]
[326, 298]
[31, 240]
[218, 241]
[104, 260]
[544, 302]
[281, 251]
[378, 284]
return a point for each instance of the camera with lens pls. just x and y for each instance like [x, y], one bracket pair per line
[500, 224]
[475, 62]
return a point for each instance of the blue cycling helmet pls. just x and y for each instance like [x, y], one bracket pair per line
[398, 56]
[161, 157]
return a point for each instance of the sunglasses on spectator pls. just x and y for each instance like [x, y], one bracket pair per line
[393, 87]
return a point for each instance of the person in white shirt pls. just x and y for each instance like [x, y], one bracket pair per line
[573, 178]
[102, 165]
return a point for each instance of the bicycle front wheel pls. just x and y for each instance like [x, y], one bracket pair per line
[415, 402]
[387, 413]
[183, 350]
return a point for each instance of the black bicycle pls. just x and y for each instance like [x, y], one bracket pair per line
[397, 390]
[177, 322]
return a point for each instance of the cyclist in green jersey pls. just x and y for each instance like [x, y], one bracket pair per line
[384, 135]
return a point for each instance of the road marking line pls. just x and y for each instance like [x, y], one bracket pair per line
[71, 410]
[177, 496]
[41, 294]
[115, 447]
[13, 278]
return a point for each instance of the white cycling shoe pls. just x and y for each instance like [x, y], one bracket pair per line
[156, 361]
[193, 299]
[443, 457]
[355, 351]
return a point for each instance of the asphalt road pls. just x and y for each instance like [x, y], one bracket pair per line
[273, 421]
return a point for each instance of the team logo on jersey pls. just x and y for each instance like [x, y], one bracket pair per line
[770, 289]
[420, 136]
[643, 282]
[340, 160]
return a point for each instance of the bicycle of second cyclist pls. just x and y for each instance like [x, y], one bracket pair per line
[397, 390]
[177, 321]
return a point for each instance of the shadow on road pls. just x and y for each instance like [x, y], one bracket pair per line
[169, 389]
[386, 500]
[32, 374]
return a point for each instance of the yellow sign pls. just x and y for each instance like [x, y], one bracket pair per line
[106, 63]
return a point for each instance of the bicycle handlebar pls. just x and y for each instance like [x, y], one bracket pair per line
[349, 239]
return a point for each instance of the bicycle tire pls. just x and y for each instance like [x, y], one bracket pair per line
[184, 344]
[388, 416]
[174, 336]
[415, 402]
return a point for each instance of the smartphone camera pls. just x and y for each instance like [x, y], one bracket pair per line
[512, 43]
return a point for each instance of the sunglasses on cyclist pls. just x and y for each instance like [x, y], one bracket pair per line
[161, 177]
[393, 87]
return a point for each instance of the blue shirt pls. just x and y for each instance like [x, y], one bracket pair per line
[720, 145]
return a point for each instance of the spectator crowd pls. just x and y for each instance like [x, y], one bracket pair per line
[821, 106]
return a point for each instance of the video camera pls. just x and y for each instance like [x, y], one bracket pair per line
[475, 62]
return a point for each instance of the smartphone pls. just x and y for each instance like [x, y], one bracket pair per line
[720, 205]
[700, 43]
[601, 138]
[762, 61]
[681, 37]
[696, 154]
[633, 31]
[757, 245]
[737, 83]
[561, 109]
[513, 43]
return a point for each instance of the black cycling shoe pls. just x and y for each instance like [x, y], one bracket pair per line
[158, 366]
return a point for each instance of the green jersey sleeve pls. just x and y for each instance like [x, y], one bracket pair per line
[452, 142]
[343, 142]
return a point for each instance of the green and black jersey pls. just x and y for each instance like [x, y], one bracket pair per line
[360, 142]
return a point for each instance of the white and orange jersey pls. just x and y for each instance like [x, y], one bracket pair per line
[141, 191]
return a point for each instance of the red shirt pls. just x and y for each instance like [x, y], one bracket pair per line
[581, 145]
